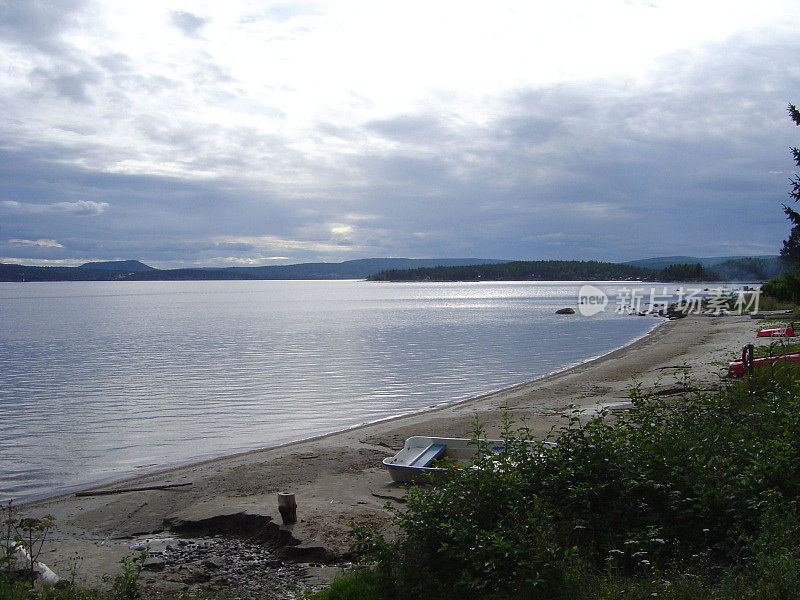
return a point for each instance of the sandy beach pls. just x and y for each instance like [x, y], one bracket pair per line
[337, 478]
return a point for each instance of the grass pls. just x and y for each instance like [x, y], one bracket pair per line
[776, 347]
[352, 585]
[767, 303]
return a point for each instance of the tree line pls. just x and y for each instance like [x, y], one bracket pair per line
[549, 270]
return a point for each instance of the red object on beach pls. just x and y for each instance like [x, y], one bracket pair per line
[787, 331]
[747, 364]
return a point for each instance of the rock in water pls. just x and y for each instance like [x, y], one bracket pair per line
[565, 311]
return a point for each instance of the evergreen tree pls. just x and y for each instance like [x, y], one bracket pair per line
[790, 253]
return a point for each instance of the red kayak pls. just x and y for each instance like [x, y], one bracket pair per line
[747, 364]
[788, 331]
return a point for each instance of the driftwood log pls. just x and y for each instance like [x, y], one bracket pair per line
[166, 486]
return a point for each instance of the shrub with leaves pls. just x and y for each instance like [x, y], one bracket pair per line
[680, 485]
[26, 533]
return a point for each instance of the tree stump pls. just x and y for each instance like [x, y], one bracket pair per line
[288, 508]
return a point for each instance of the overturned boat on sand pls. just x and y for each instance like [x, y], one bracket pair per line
[787, 331]
[748, 363]
[768, 314]
[422, 458]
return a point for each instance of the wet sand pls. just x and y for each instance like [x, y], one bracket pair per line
[337, 478]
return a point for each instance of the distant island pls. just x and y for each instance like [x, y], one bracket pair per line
[677, 268]
[549, 270]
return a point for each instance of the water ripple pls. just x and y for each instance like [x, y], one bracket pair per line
[101, 379]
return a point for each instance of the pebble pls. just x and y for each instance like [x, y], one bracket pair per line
[244, 568]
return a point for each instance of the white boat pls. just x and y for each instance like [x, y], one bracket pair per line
[414, 463]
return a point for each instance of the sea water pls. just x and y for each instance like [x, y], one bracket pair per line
[104, 380]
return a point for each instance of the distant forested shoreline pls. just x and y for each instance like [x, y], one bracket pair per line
[549, 270]
[427, 269]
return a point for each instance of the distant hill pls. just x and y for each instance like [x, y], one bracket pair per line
[350, 269]
[684, 268]
[133, 270]
[133, 266]
[26, 273]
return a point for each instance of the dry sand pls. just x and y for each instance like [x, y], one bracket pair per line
[337, 478]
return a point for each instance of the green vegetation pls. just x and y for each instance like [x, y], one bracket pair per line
[125, 586]
[690, 272]
[27, 533]
[448, 269]
[791, 247]
[767, 302]
[693, 496]
[787, 286]
[733, 268]
[547, 270]
[749, 269]
[777, 347]
[20, 584]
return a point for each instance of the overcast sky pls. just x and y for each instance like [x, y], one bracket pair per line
[251, 132]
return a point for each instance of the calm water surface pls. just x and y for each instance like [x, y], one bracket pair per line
[100, 380]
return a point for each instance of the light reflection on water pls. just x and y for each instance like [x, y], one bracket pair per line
[100, 380]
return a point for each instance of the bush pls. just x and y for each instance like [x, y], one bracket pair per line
[355, 585]
[664, 500]
[785, 288]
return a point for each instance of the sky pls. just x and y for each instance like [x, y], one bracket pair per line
[248, 132]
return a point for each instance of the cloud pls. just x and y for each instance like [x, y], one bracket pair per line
[341, 230]
[275, 242]
[237, 261]
[409, 128]
[280, 136]
[187, 22]
[560, 237]
[39, 23]
[79, 208]
[37, 243]
[44, 262]
[72, 86]
[645, 3]
[286, 11]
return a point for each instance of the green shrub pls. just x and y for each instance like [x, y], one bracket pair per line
[126, 584]
[355, 585]
[663, 500]
[783, 288]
